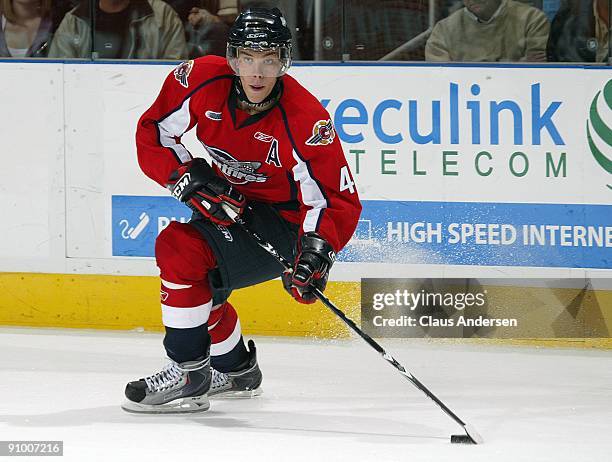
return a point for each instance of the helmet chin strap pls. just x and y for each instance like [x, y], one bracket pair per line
[248, 105]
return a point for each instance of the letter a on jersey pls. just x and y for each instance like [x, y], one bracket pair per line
[273, 158]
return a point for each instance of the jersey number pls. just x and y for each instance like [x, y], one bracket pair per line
[345, 180]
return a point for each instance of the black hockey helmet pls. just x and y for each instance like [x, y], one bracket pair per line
[260, 29]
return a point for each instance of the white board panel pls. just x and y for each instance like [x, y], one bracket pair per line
[32, 177]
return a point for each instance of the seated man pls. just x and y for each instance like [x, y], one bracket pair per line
[490, 31]
[124, 29]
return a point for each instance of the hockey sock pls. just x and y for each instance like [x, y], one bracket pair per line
[227, 351]
[235, 360]
[187, 344]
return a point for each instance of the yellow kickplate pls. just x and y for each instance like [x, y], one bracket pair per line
[132, 302]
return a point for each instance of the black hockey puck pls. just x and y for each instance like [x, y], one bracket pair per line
[461, 439]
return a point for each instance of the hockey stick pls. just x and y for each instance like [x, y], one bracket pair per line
[471, 435]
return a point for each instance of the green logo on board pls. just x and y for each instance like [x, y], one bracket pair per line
[599, 128]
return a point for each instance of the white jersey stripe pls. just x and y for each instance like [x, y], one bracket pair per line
[174, 125]
[227, 345]
[311, 194]
[185, 318]
[173, 286]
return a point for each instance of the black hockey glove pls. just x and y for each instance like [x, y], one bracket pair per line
[311, 269]
[196, 184]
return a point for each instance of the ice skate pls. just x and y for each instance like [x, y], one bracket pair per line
[176, 389]
[245, 383]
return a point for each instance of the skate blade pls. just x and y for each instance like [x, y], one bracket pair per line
[188, 405]
[238, 394]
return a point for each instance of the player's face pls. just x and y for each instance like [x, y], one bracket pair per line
[258, 72]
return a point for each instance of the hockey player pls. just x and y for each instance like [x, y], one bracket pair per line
[276, 163]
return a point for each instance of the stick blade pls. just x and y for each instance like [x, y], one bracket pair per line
[473, 434]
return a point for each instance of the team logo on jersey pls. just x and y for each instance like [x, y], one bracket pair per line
[212, 115]
[263, 137]
[322, 133]
[163, 295]
[181, 73]
[236, 171]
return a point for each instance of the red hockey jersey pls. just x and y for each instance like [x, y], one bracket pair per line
[287, 155]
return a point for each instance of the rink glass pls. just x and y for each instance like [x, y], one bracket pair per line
[362, 30]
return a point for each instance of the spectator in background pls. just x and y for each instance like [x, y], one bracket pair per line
[123, 29]
[225, 10]
[206, 24]
[25, 28]
[183, 7]
[580, 32]
[206, 33]
[490, 31]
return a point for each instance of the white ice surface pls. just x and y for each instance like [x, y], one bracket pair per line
[322, 401]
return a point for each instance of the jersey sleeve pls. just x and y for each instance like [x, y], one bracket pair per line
[329, 202]
[160, 128]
